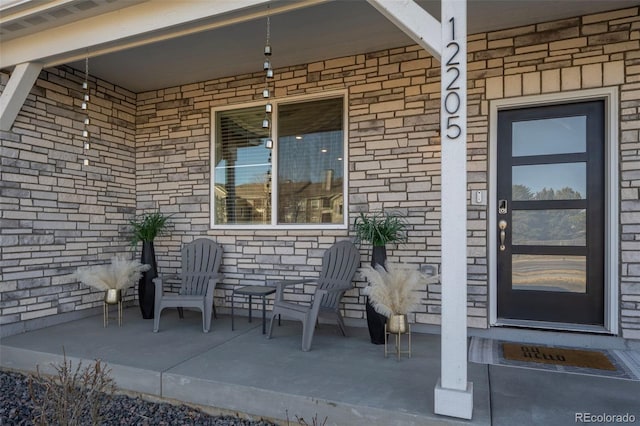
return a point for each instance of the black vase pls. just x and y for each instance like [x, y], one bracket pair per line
[146, 289]
[376, 321]
[379, 256]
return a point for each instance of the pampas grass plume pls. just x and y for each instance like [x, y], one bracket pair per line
[120, 274]
[394, 290]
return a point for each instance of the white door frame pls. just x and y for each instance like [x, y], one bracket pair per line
[611, 238]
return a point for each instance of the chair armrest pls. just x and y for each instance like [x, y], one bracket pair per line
[172, 277]
[216, 277]
[157, 283]
[335, 289]
[320, 293]
[280, 286]
[163, 279]
[326, 291]
[211, 286]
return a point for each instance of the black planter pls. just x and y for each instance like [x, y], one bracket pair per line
[146, 289]
[376, 321]
[378, 256]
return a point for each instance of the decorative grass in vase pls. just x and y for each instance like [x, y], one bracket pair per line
[380, 228]
[147, 227]
[118, 275]
[394, 291]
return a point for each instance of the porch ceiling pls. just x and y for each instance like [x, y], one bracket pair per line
[326, 30]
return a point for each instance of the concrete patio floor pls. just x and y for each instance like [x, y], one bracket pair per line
[348, 380]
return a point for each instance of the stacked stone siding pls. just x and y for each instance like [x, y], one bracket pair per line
[394, 151]
[58, 214]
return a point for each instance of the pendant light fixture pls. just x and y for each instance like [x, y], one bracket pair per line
[266, 92]
[85, 109]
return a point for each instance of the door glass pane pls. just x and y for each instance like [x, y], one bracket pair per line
[560, 227]
[549, 273]
[563, 181]
[310, 162]
[562, 135]
[242, 173]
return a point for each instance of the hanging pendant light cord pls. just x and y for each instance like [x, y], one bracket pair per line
[85, 107]
[266, 93]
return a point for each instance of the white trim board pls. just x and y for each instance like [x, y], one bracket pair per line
[612, 122]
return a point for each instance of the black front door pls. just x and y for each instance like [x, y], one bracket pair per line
[550, 221]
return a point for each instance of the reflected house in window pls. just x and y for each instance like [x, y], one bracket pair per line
[310, 165]
[305, 202]
[249, 206]
[309, 153]
[253, 203]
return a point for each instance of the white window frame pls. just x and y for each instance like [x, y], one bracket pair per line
[274, 168]
[611, 239]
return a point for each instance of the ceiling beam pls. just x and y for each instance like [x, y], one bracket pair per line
[16, 91]
[144, 23]
[414, 21]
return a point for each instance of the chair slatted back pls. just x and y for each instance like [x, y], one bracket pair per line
[201, 260]
[339, 265]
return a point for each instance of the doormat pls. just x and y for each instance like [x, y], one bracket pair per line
[613, 363]
[558, 356]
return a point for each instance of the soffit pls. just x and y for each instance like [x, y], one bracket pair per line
[327, 30]
[23, 17]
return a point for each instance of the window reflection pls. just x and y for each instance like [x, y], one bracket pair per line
[562, 135]
[560, 227]
[563, 181]
[309, 150]
[242, 173]
[549, 273]
[310, 162]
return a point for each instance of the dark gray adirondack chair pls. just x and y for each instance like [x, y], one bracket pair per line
[201, 261]
[339, 265]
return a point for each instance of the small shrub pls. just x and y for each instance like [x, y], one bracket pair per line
[315, 421]
[71, 396]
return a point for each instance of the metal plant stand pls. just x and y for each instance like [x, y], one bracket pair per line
[398, 341]
[112, 297]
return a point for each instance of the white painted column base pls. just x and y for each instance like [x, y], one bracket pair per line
[453, 402]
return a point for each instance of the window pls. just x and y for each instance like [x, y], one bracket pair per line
[303, 175]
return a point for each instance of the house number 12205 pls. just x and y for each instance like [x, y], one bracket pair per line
[452, 98]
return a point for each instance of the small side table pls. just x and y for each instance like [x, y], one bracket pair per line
[254, 290]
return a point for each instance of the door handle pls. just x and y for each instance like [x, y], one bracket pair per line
[503, 226]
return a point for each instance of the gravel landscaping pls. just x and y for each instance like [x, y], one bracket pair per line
[18, 408]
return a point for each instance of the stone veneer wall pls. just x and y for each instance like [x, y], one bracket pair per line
[57, 214]
[394, 100]
[394, 163]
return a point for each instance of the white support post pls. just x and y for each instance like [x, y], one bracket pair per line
[16, 91]
[453, 393]
[447, 42]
